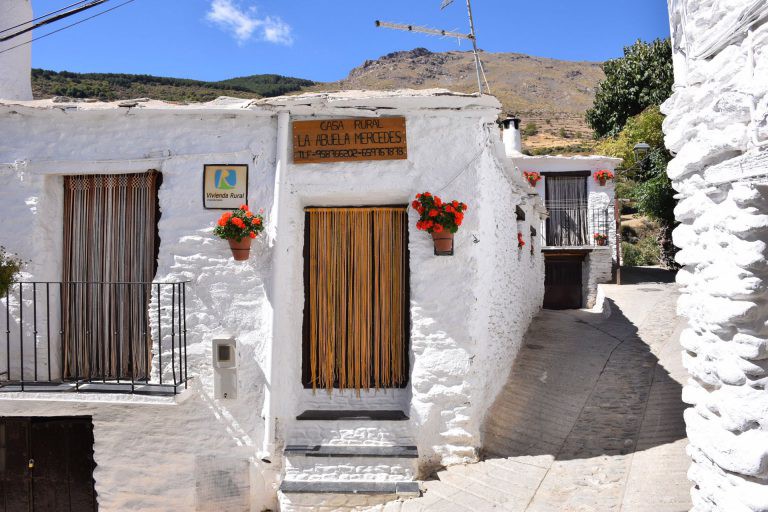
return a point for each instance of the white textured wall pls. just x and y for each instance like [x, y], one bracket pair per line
[717, 123]
[16, 64]
[468, 312]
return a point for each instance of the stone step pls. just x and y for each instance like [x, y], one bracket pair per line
[350, 430]
[408, 452]
[405, 489]
[350, 463]
[343, 415]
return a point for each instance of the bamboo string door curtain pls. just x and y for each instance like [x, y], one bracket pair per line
[356, 325]
[110, 230]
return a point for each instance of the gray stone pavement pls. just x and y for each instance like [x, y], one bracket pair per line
[590, 418]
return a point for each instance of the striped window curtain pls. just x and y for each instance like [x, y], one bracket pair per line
[110, 242]
[356, 325]
[566, 200]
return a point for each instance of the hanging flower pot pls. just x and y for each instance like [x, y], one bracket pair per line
[439, 219]
[532, 177]
[239, 228]
[603, 176]
[241, 250]
[443, 242]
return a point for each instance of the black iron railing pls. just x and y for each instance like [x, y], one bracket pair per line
[128, 337]
[576, 225]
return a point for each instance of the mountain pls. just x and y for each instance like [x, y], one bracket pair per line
[549, 95]
[117, 86]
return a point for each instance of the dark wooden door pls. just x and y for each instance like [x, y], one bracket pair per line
[562, 283]
[47, 465]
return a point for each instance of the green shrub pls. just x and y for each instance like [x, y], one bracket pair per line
[644, 252]
[530, 129]
[9, 270]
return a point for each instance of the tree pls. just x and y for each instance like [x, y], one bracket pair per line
[646, 182]
[641, 79]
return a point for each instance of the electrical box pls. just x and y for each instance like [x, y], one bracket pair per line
[225, 367]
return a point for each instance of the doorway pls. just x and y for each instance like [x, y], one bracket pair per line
[562, 281]
[46, 465]
[356, 311]
[110, 259]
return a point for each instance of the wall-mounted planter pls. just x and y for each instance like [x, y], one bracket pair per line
[241, 250]
[443, 243]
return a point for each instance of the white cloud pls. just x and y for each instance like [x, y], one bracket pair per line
[244, 24]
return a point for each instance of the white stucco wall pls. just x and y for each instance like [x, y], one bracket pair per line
[716, 124]
[16, 63]
[468, 312]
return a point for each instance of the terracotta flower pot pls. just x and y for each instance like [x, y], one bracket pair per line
[602, 182]
[240, 250]
[443, 242]
[602, 242]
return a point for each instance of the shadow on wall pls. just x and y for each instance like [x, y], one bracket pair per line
[580, 388]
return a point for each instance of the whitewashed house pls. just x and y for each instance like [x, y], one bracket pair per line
[579, 236]
[142, 368]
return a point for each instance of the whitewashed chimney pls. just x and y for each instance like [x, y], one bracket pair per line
[513, 143]
[16, 64]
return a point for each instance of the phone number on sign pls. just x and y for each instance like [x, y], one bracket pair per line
[349, 153]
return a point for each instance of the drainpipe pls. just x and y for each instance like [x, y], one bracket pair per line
[279, 230]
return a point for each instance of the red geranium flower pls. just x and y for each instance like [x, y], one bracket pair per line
[244, 207]
[433, 212]
[438, 228]
[252, 234]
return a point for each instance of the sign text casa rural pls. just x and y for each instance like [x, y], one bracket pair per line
[346, 140]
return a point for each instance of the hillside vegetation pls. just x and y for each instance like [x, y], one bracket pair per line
[117, 86]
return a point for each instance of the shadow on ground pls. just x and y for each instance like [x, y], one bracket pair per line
[580, 388]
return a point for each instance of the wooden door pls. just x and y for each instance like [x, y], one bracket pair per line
[562, 282]
[47, 465]
[356, 312]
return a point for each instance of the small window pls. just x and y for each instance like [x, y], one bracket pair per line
[224, 353]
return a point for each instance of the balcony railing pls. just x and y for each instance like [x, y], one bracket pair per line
[115, 337]
[575, 224]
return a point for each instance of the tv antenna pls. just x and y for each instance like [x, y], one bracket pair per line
[481, 79]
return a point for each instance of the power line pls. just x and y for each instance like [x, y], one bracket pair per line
[68, 26]
[43, 16]
[58, 17]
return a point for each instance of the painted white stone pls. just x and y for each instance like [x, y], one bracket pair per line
[468, 312]
[715, 123]
[16, 62]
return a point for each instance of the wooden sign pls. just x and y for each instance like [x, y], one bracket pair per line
[349, 140]
[225, 186]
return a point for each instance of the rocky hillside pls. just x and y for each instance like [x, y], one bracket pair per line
[550, 95]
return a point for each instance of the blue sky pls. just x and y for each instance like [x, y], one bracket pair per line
[323, 40]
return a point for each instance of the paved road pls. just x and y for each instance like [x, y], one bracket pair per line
[590, 419]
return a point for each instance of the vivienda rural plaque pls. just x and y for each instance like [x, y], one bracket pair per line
[225, 186]
[349, 140]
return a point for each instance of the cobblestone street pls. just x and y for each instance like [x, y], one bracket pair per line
[590, 419]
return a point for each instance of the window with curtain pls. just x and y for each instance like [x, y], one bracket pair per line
[356, 312]
[566, 201]
[110, 252]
